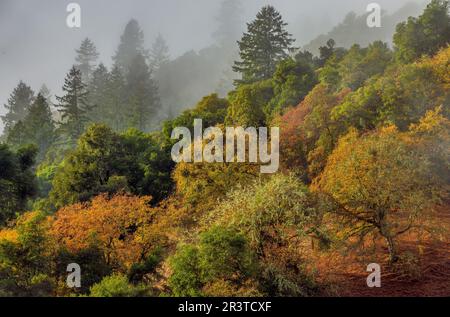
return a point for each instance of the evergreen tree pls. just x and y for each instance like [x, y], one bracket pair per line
[87, 56]
[18, 104]
[116, 111]
[73, 106]
[98, 87]
[131, 45]
[159, 53]
[264, 44]
[142, 95]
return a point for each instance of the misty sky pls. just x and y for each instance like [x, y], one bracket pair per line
[37, 47]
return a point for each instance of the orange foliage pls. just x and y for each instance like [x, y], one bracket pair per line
[124, 227]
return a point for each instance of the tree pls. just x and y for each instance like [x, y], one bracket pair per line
[115, 114]
[381, 184]
[159, 53]
[26, 265]
[247, 104]
[222, 254]
[117, 285]
[18, 104]
[86, 59]
[292, 81]
[131, 45]
[17, 181]
[123, 227]
[264, 44]
[424, 35]
[37, 128]
[276, 216]
[73, 106]
[106, 162]
[143, 96]
[98, 94]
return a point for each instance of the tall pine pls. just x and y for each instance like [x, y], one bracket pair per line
[36, 128]
[142, 95]
[86, 59]
[265, 43]
[159, 53]
[73, 106]
[131, 45]
[18, 105]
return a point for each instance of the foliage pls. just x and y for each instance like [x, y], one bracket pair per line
[265, 43]
[117, 286]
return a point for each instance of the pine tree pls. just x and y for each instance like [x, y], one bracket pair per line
[98, 93]
[116, 110]
[159, 53]
[264, 44]
[143, 97]
[37, 128]
[86, 59]
[73, 106]
[18, 104]
[131, 45]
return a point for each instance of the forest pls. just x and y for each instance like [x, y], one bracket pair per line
[87, 177]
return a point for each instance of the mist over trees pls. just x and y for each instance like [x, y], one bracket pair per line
[363, 178]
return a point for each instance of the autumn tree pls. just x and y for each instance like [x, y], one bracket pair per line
[123, 227]
[381, 183]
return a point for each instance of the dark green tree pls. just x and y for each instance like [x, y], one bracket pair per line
[73, 106]
[86, 59]
[142, 95]
[116, 95]
[264, 44]
[37, 128]
[17, 181]
[18, 104]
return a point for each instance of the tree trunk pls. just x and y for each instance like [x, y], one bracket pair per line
[393, 257]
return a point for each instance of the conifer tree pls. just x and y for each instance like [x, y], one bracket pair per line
[131, 45]
[18, 104]
[116, 111]
[142, 93]
[73, 106]
[264, 44]
[86, 59]
[98, 93]
[159, 53]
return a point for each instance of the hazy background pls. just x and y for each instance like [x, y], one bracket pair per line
[37, 47]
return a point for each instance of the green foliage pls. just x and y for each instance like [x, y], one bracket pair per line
[73, 106]
[221, 254]
[106, 162]
[117, 286]
[86, 58]
[264, 44]
[36, 128]
[17, 180]
[247, 104]
[424, 35]
[211, 109]
[25, 264]
[292, 81]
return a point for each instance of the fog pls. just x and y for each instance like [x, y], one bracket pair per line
[37, 47]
